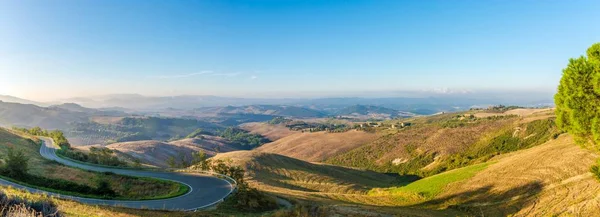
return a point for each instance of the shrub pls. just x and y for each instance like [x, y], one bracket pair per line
[248, 199]
[14, 206]
[104, 189]
[16, 163]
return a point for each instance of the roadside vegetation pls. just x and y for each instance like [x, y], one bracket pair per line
[245, 198]
[97, 155]
[22, 163]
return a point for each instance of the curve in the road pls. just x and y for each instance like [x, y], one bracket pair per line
[205, 190]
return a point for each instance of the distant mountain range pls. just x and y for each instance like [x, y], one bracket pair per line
[6, 98]
[52, 117]
[28, 115]
[273, 110]
[423, 104]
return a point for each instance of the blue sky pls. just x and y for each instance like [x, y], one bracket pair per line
[287, 48]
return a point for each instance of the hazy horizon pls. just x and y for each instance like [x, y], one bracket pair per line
[291, 49]
[532, 95]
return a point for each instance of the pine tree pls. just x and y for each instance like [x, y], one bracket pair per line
[578, 98]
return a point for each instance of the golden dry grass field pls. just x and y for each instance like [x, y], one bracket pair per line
[318, 146]
[271, 131]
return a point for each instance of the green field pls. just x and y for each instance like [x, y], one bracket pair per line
[431, 186]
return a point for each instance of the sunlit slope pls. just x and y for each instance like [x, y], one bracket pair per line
[548, 180]
[319, 146]
[444, 142]
[271, 131]
[278, 171]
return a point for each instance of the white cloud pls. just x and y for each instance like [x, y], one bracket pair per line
[184, 75]
[253, 77]
[208, 73]
[226, 74]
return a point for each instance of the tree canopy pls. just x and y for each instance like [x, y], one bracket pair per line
[578, 98]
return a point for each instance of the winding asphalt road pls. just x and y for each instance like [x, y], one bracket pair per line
[205, 190]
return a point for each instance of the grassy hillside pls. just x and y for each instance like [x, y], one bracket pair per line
[443, 142]
[316, 147]
[267, 169]
[126, 187]
[329, 186]
[552, 179]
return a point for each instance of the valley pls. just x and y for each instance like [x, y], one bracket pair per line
[427, 166]
[257, 108]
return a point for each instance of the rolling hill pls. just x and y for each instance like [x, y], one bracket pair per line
[549, 179]
[7, 98]
[125, 129]
[439, 143]
[271, 131]
[157, 153]
[280, 172]
[27, 115]
[318, 146]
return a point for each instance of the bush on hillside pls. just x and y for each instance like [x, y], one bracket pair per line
[195, 134]
[245, 199]
[16, 164]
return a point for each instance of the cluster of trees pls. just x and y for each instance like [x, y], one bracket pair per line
[578, 98]
[242, 137]
[196, 134]
[279, 120]
[16, 166]
[183, 161]
[57, 135]
[469, 120]
[97, 155]
[497, 108]
[317, 127]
